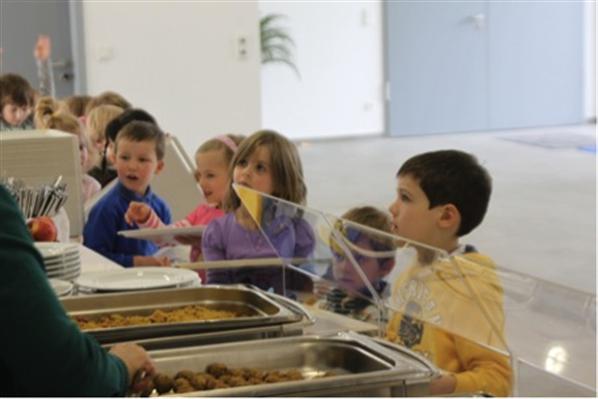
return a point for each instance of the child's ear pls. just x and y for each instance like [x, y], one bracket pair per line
[450, 217]
[111, 157]
[159, 167]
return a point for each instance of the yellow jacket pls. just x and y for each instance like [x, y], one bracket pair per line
[451, 311]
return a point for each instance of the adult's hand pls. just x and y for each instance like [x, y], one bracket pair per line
[135, 358]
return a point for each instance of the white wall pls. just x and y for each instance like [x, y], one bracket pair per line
[179, 61]
[339, 53]
[590, 59]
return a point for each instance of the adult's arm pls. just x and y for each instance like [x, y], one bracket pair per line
[42, 351]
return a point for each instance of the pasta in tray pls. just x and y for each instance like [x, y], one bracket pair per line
[183, 314]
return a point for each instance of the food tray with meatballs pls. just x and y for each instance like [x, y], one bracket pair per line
[345, 364]
[183, 311]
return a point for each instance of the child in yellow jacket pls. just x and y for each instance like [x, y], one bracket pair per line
[447, 307]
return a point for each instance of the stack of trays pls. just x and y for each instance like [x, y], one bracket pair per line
[61, 260]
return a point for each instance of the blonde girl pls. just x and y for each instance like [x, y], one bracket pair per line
[50, 114]
[266, 162]
[212, 159]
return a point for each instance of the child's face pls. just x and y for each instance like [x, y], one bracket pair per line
[14, 114]
[255, 171]
[212, 175]
[411, 216]
[84, 155]
[346, 274]
[136, 164]
[98, 141]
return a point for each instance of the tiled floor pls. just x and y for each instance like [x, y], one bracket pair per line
[541, 222]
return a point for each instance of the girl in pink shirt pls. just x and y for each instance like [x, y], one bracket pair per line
[212, 159]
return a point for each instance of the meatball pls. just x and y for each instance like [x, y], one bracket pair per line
[237, 372]
[220, 384]
[200, 381]
[237, 381]
[163, 383]
[186, 374]
[217, 369]
[182, 385]
[145, 388]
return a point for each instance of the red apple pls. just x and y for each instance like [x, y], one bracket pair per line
[42, 228]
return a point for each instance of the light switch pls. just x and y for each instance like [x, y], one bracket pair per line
[241, 44]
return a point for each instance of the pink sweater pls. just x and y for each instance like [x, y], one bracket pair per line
[202, 215]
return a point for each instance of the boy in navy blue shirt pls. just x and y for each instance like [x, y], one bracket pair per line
[138, 156]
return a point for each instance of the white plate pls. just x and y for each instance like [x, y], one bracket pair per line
[54, 273]
[137, 278]
[53, 250]
[62, 261]
[164, 234]
[60, 287]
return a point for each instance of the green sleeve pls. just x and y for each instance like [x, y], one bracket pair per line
[42, 352]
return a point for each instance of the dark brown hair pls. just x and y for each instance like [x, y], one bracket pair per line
[452, 177]
[17, 90]
[139, 131]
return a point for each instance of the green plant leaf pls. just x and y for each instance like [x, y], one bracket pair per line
[276, 43]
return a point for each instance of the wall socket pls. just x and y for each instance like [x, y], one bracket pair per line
[241, 47]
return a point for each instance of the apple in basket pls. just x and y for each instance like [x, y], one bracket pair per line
[42, 228]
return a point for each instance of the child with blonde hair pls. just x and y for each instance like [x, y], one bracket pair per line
[212, 159]
[269, 163]
[50, 114]
[76, 104]
[107, 97]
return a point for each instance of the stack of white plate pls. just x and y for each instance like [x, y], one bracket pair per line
[62, 260]
[137, 278]
[61, 287]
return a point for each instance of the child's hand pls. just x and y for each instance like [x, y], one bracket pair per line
[43, 48]
[188, 240]
[151, 261]
[321, 288]
[444, 384]
[138, 212]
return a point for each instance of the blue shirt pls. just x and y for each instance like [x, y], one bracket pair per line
[107, 218]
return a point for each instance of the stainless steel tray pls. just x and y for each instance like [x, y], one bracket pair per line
[360, 365]
[258, 309]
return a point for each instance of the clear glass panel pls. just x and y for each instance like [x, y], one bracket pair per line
[552, 328]
[447, 307]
